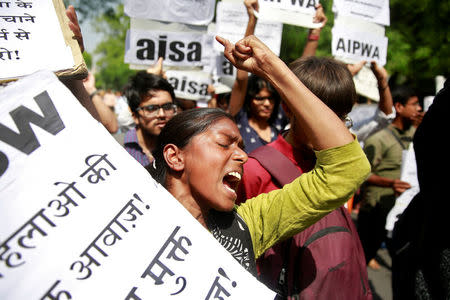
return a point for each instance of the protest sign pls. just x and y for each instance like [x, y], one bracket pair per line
[177, 48]
[231, 22]
[376, 11]
[358, 45]
[179, 44]
[191, 85]
[408, 173]
[294, 12]
[33, 36]
[196, 12]
[81, 219]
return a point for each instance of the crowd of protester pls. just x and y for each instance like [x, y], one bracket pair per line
[281, 161]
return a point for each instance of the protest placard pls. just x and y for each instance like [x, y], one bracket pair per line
[231, 22]
[190, 85]
[180, 45]
[358, 45]
[408, 173]
[195, 12]
[376, 11]
[34, 35]
[81, 219]
[294, 12]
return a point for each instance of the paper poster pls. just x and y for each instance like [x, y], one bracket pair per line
[81, 219]
[177, 48]
[294, 12]
[196, 12]
[358, 45]
[31, 39]
[231, 22]
[408, 173]
[191, 85]
[376, 11]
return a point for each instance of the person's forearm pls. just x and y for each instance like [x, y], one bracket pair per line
[321, 125]
[312, 43]
[380, 181]
[238, 92]
[79, 91]
[106, 114]
[385, 104]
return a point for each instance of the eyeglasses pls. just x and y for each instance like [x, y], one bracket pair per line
[260, 99]
[153, 109]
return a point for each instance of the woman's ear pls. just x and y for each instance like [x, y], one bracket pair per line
[174, 157]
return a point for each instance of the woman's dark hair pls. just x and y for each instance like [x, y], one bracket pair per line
[141, 84]
[328, 79]
[179, 131]
[256, 84]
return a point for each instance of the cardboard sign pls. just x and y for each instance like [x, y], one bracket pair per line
[294, 12]
[177, 48]
[191, 85]
[231, 22]
[196, 12]
[81, 219]
[376, 11]
[346, 42]
[31, 39]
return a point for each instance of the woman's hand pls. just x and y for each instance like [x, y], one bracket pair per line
[249, 54]
[75, 26]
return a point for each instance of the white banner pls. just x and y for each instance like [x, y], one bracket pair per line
[177, 48]
[376, 11]
[231, 22]
[81, 219]
[294, 12]
[359, 46]
[408, 173]
[31, 39]
[196, 12]
[191, 85]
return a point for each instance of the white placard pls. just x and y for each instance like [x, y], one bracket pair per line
[81, 219]
[376, 11]
[231, 22]
[177, 48]
[31, 39]
[196, 12]
[191, 85]
[357, 45]
[408, 173]
[294, 12]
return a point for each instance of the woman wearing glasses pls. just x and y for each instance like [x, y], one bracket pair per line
[151, 101]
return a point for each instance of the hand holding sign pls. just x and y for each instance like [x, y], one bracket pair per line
[75, 26]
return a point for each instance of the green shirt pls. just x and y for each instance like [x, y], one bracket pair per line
[384, 151]
[282, 213]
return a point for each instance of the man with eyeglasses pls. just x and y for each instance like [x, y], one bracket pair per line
[151, 101]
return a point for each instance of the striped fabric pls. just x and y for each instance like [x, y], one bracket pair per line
[130, 142]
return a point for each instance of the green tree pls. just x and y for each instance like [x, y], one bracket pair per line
[112, 73]
[89, 8]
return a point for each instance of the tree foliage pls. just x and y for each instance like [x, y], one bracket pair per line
[112, 72]
[91, 8]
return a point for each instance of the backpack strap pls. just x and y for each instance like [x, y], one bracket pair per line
[276, 163]
[283, 171]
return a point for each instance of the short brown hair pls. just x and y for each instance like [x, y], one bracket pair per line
[328, 79]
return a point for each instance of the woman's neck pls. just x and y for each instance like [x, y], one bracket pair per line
[262, 128]
[187, 200]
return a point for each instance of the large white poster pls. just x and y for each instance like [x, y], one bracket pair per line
[358, 45]
[81, 219]
[196, 12]
[294, 12]
[31, 39]
[376, 11]
[177, 48]
[231, 22]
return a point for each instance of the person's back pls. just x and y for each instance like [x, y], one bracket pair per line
[326, 259]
